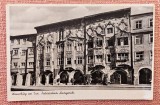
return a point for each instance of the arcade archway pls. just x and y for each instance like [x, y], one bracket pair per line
[64, 77]
[145, 76]
[97, 76]
[119, 77]
[78, 77]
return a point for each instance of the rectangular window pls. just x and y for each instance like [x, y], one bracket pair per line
[24, 41]
[23, 52]
[90, 59]
[23, 64]
[151, 55]
[60, 61]
[122, 41]
[69, 47]
[139, 24]
[60, 34]
[122, 56]
[90, 44]
[109, 30]
[12, 41]
[15, 53]
[99, 58]
[108, 58]
[139, 55]
[48, 47]
[68, 61]
[60, 48]
[31, 51]
[151, 38]
[151, 22]
[99, 42]
[79, 47]
[80, 60]
[48, 62]
[18, 41]
[139, 39]
[15, 64]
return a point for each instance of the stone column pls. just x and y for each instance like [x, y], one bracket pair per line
[136, 79]
[47, 80]
[28, 79]
[39, 80]
[19, 79]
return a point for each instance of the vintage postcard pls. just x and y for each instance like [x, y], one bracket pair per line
[80, 52]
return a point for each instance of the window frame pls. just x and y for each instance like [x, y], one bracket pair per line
[138, 25]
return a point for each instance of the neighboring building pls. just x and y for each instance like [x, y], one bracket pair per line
[112, 47]
[23, 59]
[142, 38]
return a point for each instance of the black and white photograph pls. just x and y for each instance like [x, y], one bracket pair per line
[73, 52]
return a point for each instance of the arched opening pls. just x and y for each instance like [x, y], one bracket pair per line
[14, 79]
[43, 79]
[78, 77]
[145, 76]
[97, 77]
[50, 78]
[119, 77]
[64, 77]
[24, 79]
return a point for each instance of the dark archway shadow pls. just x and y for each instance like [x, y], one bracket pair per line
[145, 76]
[119, 77]
[64, 77]
[78, 77]
[97, 77]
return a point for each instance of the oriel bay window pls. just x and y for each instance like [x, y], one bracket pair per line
[122, 41]
[122, 56]
[139, 56]
[99, 42]
[69, 61]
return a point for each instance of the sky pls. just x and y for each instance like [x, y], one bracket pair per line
[23, 19]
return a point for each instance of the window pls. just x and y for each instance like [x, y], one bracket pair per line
[99, 42]
[18, 41]
[31, 51]
[139, 55]
[79, 48]
[151, 55]
[15, 64]
[109, 30]
[23, 52]
[69, 47]
[24, 41]
[108, 58]
[79, 60]
[68, 60]
[48, 62]
[60, 61]
[150, 38]
[139, 39]
[122, 41]
[90, 59]
[122, 56]
[48, 48]
[23, 64]
[60, 34]
[139, 24]
[60, 47]
[99, 58]
[109, 42]
[15, 52]
[151, 22]
[90, 44]
[12, 41]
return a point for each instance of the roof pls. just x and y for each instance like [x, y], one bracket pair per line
[79, 20]
[22, 36]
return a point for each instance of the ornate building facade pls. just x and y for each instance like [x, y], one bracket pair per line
[95, 49]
